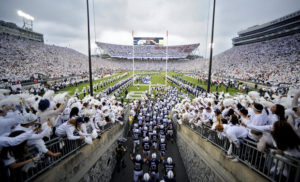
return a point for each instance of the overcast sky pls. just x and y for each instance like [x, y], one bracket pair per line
[64, 23]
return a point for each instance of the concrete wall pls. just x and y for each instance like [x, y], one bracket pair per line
[204, 162]
[94, 162]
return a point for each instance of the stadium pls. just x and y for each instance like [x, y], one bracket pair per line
[149, 107]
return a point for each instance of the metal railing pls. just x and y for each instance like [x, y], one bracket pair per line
[45, 162]
[268, 163]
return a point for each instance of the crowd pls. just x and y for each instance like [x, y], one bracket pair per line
[268, 122]
[277, 60]
[151, 131]
[21, 58]
[147, 51]
[273, 62]
[28, 120]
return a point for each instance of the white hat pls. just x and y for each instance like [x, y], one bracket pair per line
[29, 118]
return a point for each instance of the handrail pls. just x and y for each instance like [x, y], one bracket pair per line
[272, 166]
[57, 144]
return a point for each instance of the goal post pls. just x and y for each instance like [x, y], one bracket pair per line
[135, 72]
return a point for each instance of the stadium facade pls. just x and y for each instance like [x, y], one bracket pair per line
[12, 29]
[153, 52]
[284, 26]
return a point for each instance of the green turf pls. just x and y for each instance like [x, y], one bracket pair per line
[72, 89]
[231, 91]
[156, 78]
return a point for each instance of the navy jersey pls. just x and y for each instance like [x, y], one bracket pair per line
[169, 167]
[163, 146]
[154, 137]
[146, 145]
[145, 133]
[150, 127]
[170, 126]
[162, 131]
[153, 165]
[136, 135]
[138, 165]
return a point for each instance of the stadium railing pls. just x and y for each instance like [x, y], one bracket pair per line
[268, 163]
[58, 144]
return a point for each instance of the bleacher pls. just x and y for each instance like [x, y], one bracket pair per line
[147, 52]
[284, 26]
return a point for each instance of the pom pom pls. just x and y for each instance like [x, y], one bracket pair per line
[60, 98]
[88, 140]
[4, 91]
[254, 95]
[43, 104]
[94, 134]
[228, 102]
[49, 95]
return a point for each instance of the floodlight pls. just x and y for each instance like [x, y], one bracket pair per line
[25, 15]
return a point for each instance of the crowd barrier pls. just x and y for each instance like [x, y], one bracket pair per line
[268, 163]
[45, 162]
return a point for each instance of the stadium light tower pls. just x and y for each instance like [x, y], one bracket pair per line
[211, 47]
[27, 20]
[89, 48]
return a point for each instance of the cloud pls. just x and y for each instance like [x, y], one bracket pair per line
[64, 22]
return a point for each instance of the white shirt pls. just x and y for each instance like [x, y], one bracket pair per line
[258, 119]
[6, 123]
[36, 140]
[6, 141]
[66, 130]
[235, 132]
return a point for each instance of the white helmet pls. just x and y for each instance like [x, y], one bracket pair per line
[138, 157]
[146, 177]
[146, 139]
[154, 131]
[161, 126]
[153, 155]
[136, 130]
[145, 128]
[151, 123]
[169, 160]
[170, 175]
[162, 140]
[162, 180]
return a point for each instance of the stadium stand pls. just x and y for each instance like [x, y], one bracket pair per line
[9, 28]
[284, 26]
[148, 51]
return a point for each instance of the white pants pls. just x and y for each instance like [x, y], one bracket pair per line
[137, 174]
[170, 132]
[154, 144]
[136, 142]
[146, 152]
[162, 136]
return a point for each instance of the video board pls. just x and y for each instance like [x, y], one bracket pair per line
[148, 41]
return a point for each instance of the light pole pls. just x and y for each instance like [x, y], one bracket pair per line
[211, 48]
[89, 48]
[27, 20]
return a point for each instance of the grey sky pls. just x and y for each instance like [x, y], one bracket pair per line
[63, 22]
